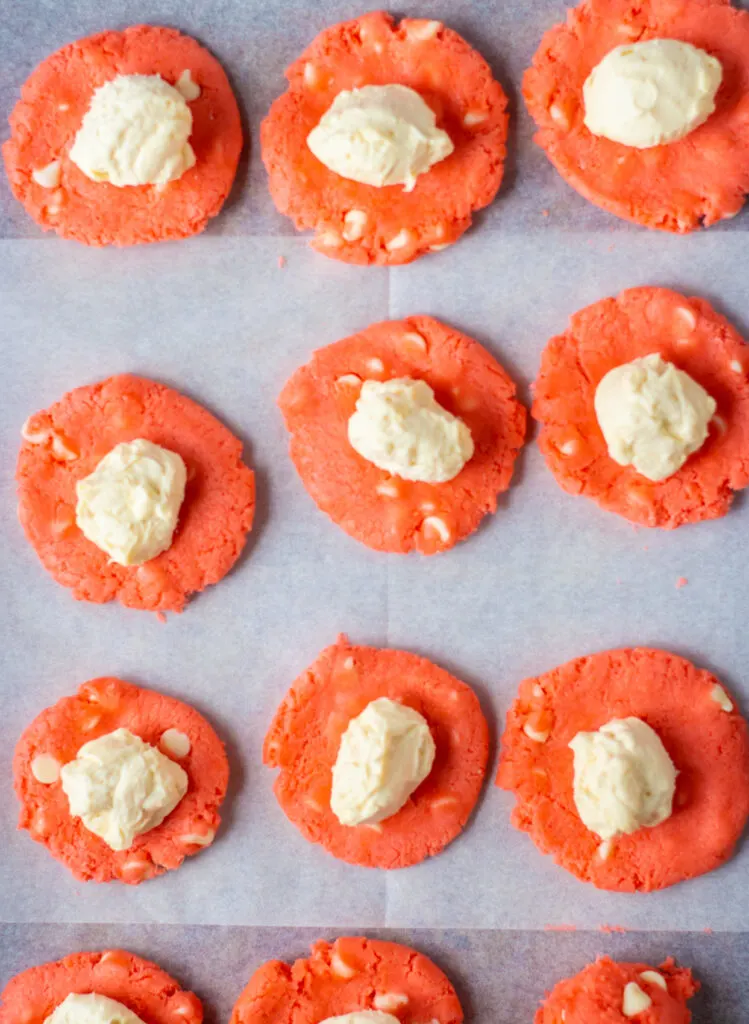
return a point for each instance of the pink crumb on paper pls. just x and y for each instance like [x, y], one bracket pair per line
[681, 582]
[707, 931]
[281, 262]
[161, 617]
[560, 928]
[544, 213]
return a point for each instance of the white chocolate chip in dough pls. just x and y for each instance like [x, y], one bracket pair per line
[438, 526]
[310, 75]
[331, 239]
[604, 850]
[721, 698]
[389, 1001]
[354, 224]
[423, 30]
[45, 769]
[61, 450]
[340, 967]
[412, 339]
[399, 241]
[196, 839]
[635, 1000]
[559, 116]
[537, 735]
[387, 489]
[654, 978]
[349, 380]
[187, 86]
[48, 176]
[474, 117]
[736, 366]
[686, 319]
[175, 743]
[442, 801]
[375, 365]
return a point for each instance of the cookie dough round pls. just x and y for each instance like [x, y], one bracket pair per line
[305, 735]
[386, 512]
[99, 707]
[347, 975]
[703, 733]
[138, 984]
[684, 331]
[46, 119]
[393, 226]
[693, 182]
[597, 993]
[64, 443]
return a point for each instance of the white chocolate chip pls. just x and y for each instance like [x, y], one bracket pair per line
[49, 176]
[440, 246]
[474, 117]
[313, 804]
[537, 735]
[376, 827]
[414, 340]
[604, 849]
[45, 769]
[33, 436]
[655, 979]
[89, 722]
[443, 801]
[375, 365]
[175, 742]
[720, 697]
[329, 238]
[389, 1001]
[422, 30]
[136, 869]
[628, 31]
[62, 450]
[354, 222]
[568, 448]
[53, 209]
[194, 839]
[538, 690]
[439, 526]
[187, 86]
[427, 506]
[310, 75]
[400, 241]
[736, 366]
[349, 379]
[635, 1000]
[686, 318]
[387, 489]
[348, 664]
[63, 107]
[559, 116]
[339, 967]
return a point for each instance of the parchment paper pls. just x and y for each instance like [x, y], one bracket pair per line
[549, 577]
[500, 977]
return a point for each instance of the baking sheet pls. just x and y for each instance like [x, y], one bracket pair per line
[548, 578]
